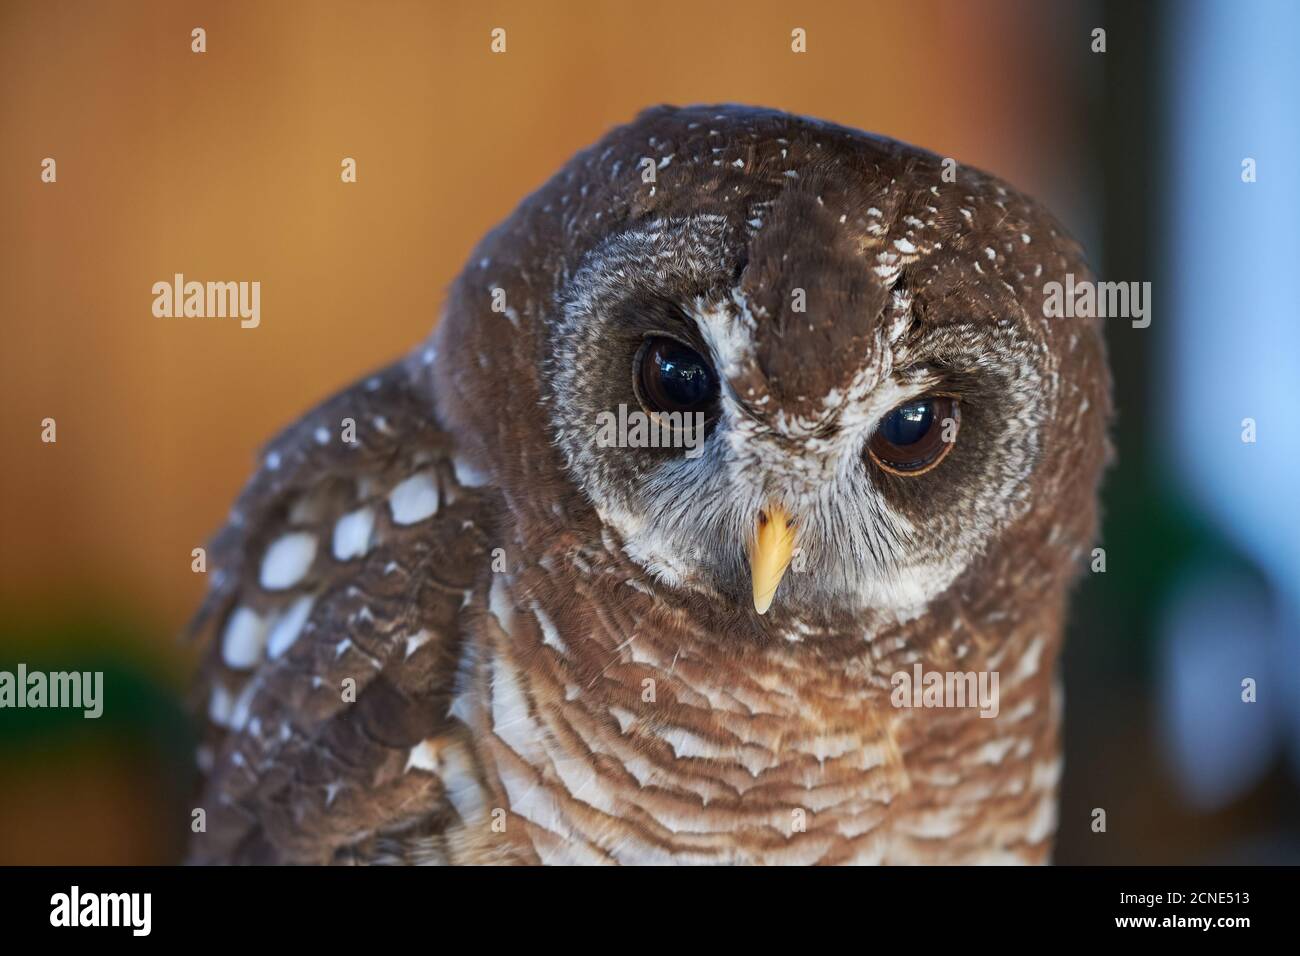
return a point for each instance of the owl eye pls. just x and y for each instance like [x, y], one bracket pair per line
[916, 435]
[672, 377]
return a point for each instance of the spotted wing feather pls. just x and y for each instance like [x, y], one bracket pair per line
[333, 613]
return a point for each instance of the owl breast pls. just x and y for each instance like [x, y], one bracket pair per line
[619, 738]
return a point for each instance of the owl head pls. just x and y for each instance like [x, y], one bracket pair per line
[787, 367]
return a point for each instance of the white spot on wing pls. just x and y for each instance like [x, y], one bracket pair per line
[287, 560]
[467, 476]
[289, 625]
[415, 499]
[220, 705]
[352, 534]
[243, 640]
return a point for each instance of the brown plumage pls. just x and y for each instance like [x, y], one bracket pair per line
[554, 647]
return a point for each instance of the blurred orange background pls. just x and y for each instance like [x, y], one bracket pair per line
[225, 166]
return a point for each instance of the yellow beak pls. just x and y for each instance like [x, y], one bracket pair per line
[770, 554]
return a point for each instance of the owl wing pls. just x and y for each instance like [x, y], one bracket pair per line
[333, 612]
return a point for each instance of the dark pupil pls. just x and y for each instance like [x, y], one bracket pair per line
[684, 379]
[908, 424]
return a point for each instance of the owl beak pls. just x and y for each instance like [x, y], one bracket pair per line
[770, 554]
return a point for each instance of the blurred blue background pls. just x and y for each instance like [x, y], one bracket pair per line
[1202, 526]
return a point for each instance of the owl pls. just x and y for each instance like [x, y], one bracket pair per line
[728, 515]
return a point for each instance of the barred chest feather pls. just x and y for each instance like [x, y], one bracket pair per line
[608, 734]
